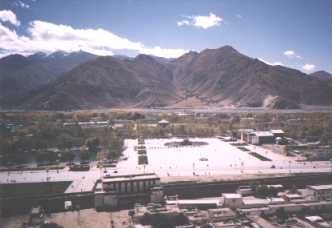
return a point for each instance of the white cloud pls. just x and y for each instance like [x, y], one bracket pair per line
[22, 5]
[157, 51]
[9, 16]
[289, 53]
[309, 67]
[48, 37]
[204, 22]
[271, 63]
[292, 54]
[183, 22]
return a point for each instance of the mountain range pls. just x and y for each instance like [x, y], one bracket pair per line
[220, 77]
[20, 75]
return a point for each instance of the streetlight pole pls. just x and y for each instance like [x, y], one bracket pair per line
[193, 168]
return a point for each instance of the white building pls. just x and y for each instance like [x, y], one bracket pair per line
[262, 137]
[232, 200]
[134, 188]
[320, 192]
[252, 202]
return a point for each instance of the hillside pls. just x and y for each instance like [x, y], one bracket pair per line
[108, 82]
[322, 75]
[220, 77]
[19, 74]
[225, 77]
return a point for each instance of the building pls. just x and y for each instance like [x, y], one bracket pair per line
[104, 199]
[246, 134]
[163, 123]
[262, 137]
[278, 133]
[254, 202]
[252, 136]
[320, 192]
[232, 200]
[245, 190]
[221, 214]
[292, 197]
[276, 200]
[157, 195]
[195, 203]
[131, 183]
[114, 191]
[317, 221]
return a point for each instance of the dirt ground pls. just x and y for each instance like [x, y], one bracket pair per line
[85, 219]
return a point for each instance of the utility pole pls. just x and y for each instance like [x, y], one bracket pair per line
[193, 168]
[111, 220]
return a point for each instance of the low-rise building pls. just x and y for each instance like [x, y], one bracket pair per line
[262, 137]
[278, 133]
[112, 190]
[232, 200]
[320, 192]
[245, 190]
[195, 203]
[276, 200]
[252, 136]
[221, 214]
[292, 196]
[131, 183]
[317, 221]
[163, 123]
[246, 134]
[254, 202]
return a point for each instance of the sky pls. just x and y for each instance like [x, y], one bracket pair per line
[293, 33]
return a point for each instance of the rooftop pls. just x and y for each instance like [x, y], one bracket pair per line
[194, 201]
[314, 218]
[321, 187]
[232, 195]
[277, 131]
[163, 122]
[255, 201]
[293, 196]
[263, 133]
[130, 178]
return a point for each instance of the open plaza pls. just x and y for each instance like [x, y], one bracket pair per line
[214, 158]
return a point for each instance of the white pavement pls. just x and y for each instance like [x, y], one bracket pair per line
[222, 159]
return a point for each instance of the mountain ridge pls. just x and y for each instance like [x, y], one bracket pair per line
[221, 77]
[19, 75]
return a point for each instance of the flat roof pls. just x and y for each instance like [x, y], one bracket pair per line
[275, 185]
[232, 195]
[293, 195]
[130, 178]
[321, 187]
[255, 201]
[277, 131]
[314, 218]
[276, 200]
[263, 133]
[163, 121]
[194, 201]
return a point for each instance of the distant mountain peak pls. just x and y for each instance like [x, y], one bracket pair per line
[322, 75]
[38, 55]
[227, 48]
[145, 58]
[58, 54]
